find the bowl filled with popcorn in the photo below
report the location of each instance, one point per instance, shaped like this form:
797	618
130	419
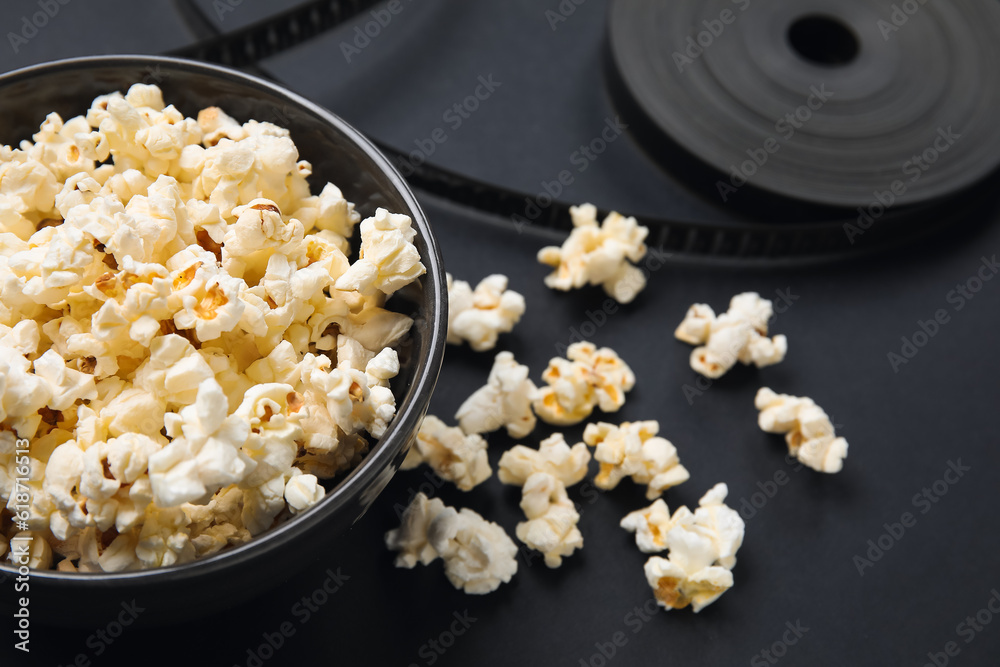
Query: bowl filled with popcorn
211	360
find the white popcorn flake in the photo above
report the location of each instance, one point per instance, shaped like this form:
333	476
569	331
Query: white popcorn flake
702	545
259	226
599	254
479	316
67	385
164	538
388	260
505	401
302	492
650	526
551	527
675	588
589	377
39	550
272	414
553	456
544	474
633	449
329	212
453	455
807	428
205	453
164	330
22	393
739	334
478	555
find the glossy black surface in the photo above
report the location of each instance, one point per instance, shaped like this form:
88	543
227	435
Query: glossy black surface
338	154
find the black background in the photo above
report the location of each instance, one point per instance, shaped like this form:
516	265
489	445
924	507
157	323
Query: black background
797	563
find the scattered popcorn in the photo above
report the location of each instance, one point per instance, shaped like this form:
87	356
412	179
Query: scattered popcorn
703	546
740	334
588	378
676	588
634	450
410	539
554	456
551	527
809	431
504	401
599	254
184	342
650	526
544	475
453	455
479	316
478	555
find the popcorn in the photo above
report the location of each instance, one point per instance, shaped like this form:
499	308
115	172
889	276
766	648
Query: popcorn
302	492
410	539
478	555
22	393
588	378
675	588
809	431
39	554
544	475
554	456
205	454
551	527
388	260
740	334
504	401
329	212
67	386
259	226
453	455
164	538
599	255
703	547
480	316
650	526
633	450
172	340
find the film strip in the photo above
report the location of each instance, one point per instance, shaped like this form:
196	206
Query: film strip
780	229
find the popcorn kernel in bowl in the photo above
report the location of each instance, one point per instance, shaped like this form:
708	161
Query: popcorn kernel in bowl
185	347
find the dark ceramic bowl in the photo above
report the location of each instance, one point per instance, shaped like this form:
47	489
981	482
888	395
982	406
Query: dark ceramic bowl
339	154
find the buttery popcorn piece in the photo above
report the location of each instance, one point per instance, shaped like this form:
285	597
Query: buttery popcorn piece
453	455
589	377
553	456
739	334
807	428
650	526
599	254
634	450
703	546
551	527
478	555
505	401
544	474
479	316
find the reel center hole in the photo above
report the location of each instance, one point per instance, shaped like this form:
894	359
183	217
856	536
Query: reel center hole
823	40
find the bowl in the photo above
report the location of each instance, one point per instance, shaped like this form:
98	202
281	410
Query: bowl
339	154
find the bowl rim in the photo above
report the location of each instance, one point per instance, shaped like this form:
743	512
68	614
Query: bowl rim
408	414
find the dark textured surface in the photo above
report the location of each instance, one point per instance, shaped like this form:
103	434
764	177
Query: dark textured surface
797	561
